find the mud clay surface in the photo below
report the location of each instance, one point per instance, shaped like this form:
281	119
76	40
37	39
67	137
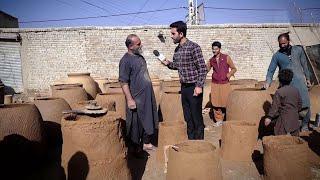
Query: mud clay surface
238	140
171	132
72	95
171	108
99	143
194	160
51	108
249	104
285	157
113	102
89	84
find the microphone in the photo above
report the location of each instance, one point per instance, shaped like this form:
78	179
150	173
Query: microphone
161	57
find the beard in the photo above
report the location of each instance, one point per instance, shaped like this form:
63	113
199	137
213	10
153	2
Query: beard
137	51
176	41
286	49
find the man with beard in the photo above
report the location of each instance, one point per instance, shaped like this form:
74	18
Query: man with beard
293	58
189	62
141	116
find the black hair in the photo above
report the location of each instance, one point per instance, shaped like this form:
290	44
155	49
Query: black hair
181	27
285	76
129	39
285	35
216	43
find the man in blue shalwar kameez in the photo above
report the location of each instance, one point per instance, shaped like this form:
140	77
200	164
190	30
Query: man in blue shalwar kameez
294	58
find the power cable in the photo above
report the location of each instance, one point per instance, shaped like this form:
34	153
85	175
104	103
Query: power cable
105	16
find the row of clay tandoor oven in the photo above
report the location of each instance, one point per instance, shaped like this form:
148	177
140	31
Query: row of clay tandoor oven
99	140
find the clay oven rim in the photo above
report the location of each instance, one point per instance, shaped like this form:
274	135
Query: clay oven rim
67	84
240	123
100	78
84	119
172	123
250	89
7	106
47	98
172	92
156	83
113	84
243	81
68	87
282	141
195	147
110	93
79	74
114	87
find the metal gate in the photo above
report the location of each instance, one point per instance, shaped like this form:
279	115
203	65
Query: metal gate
10	65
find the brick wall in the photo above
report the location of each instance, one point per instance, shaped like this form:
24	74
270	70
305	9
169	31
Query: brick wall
49	54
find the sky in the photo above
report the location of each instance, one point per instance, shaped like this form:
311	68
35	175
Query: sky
71	13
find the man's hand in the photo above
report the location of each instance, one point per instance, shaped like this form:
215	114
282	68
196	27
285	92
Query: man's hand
165	62
131	104
267	121
228	76
266	85
309	84
197	91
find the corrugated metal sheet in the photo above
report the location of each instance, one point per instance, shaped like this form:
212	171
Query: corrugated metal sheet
10	65
14	36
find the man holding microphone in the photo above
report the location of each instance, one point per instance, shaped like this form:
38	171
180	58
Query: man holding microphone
189	62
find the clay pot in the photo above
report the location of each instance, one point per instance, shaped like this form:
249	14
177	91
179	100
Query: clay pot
171	107
155	78
170	133
285	157
170	89
100	81
113	87
243	83
95	144
170	86
157	91
21	119
175	78
195	159
238	140
89	84
22	142
206	94
113	102
51	108
171	83
273	87
72	95
8	99
56	86
248	105
59	85
51	112
314	94
1	92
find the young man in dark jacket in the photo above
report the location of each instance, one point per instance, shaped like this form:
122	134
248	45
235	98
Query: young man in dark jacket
285	106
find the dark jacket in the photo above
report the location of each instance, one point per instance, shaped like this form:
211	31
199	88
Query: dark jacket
285	109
